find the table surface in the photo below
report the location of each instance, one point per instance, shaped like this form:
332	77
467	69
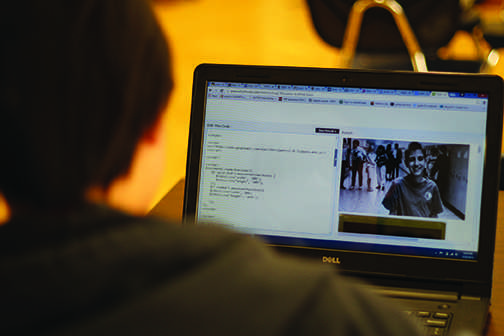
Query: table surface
171	207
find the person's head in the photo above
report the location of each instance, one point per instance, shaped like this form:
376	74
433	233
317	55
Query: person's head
380	149
431	162
82	82
415	159
434	152
356	143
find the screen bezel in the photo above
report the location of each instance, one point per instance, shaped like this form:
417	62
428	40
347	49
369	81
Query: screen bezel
467	271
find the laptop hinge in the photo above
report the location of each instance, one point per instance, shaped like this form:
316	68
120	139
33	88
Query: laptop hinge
416	294
470	298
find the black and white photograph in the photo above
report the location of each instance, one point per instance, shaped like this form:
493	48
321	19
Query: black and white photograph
404	178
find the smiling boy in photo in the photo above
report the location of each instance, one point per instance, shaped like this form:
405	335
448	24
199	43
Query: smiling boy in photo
414	194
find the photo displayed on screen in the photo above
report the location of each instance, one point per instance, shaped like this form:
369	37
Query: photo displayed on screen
404	178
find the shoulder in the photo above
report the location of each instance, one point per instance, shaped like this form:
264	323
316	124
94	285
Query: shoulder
352	310
430	185
400	181
396	187
237	276
133	274
430	182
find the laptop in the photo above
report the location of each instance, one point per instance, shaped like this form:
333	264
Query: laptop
390	176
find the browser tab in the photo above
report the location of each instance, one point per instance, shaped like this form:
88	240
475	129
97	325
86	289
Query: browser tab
439	94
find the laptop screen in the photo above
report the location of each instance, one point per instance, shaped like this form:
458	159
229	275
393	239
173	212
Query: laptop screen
347	168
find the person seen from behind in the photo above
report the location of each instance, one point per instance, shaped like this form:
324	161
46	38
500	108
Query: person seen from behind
83	89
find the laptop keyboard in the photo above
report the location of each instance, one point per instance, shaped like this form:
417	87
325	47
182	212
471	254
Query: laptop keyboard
432	323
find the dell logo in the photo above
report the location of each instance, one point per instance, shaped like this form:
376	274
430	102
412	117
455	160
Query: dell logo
331	260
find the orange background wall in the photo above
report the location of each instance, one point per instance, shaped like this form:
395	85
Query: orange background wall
266	32
278	32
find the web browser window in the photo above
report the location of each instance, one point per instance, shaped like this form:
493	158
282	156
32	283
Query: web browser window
335	166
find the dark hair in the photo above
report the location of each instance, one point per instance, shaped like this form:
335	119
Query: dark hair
80	82
413	146
380	149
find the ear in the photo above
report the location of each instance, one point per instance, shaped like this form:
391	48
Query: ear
154	133
135	192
